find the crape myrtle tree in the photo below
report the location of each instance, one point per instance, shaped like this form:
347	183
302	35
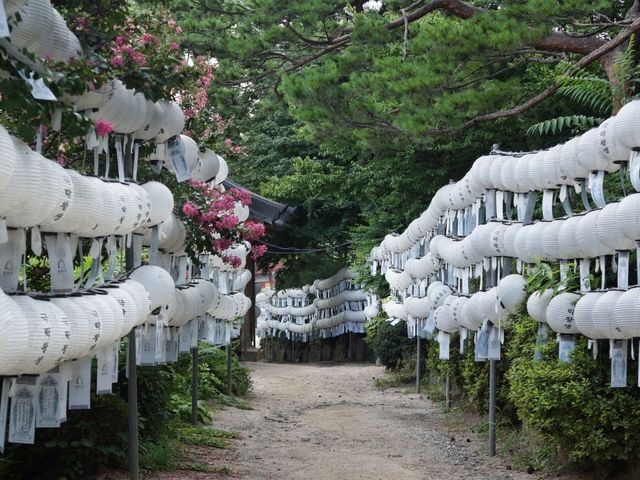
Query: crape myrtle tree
359	111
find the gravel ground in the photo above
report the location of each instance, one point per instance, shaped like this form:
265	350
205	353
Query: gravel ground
328	421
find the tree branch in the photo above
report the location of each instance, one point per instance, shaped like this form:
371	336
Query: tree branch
549	91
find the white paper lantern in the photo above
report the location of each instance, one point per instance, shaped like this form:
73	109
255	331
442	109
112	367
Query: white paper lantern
608	232
508	239
559	314
582	314
549	240
157	282
569	166
223	171
471	317
172	120
551	168
627	124
537	177
628	217
537	305
567	246
626	314
603	321
511	292
15	338
508	178
444	319
161	202
208	166
587	242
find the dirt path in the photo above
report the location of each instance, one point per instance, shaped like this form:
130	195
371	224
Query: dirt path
330	422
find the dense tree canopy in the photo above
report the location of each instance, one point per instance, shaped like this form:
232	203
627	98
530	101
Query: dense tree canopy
357	112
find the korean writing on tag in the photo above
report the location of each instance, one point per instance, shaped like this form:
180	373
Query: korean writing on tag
175	151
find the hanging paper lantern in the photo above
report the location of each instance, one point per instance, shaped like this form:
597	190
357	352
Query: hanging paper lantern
521	171
161	202
626	314
559	314
457	305
208	166
536	173
549	240
537	305
32	22
482	170
15	338
626	125
152	122
611	148
521	244
582	314
628	217
172	120
444	319
471	316
511	292
157	282
418	307
508	239
495	172
566	244
608	232
508	174
589	154
569	166
8	158
223	171
587	243
602	319
551	168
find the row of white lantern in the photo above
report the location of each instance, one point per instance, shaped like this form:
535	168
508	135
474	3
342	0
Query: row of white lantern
35	191
321	286
38	27
598	232
44	331
600	149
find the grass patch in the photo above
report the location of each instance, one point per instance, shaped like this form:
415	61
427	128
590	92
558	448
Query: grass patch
205	437
394	380
203	468
234	402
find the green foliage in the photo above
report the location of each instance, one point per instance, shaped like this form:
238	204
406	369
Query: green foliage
556	125
389	342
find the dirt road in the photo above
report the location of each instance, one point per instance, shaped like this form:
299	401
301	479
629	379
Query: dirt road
330	422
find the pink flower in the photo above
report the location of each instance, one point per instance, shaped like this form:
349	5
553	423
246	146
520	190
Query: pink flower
121	40
117	61
178	30
235	262
174	46
147	38
171	23
257	251
61	160
103	127
228	222
255	230
190	210
221	244
188	113
243	196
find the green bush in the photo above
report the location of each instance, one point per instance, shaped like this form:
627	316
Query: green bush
390	343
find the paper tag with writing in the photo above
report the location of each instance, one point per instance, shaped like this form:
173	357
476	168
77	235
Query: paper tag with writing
80	384
619	350
39	89
48	401
104	372
444	339
22	420
175	151
567	344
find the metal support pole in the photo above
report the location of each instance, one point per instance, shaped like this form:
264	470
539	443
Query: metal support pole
492	408
229	366
132	385
132	393
447	392
418	358
194	385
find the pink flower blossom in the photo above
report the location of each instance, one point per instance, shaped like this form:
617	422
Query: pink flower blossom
117	61
228	222
178	30
235	262
103	127
190	210
174	46
221	244
243	196
254	230
171	23
258	251
188	113
61	160
121	40
147	38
